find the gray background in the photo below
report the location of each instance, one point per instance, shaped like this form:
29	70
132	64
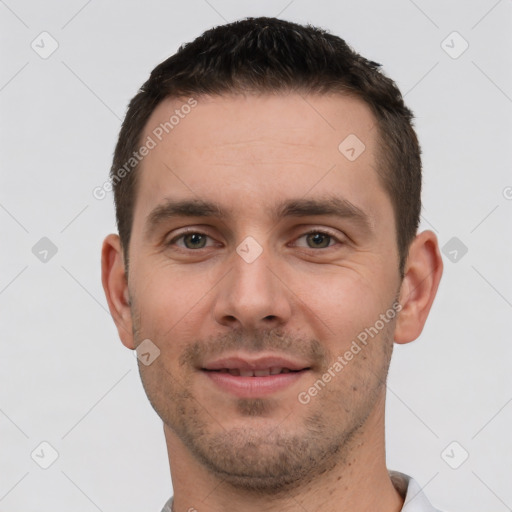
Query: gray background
67	380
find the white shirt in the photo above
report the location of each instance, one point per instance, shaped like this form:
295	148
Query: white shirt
414	498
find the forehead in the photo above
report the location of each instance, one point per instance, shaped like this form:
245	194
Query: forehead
307	121
244	151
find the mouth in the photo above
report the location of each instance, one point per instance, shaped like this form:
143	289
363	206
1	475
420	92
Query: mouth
254	378
237	372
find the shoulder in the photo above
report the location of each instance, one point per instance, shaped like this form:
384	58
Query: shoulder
168	506
415	499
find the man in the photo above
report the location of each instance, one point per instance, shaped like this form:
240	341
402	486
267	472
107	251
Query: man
267	183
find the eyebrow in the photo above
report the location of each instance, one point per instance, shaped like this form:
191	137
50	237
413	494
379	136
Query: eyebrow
319	206
328	206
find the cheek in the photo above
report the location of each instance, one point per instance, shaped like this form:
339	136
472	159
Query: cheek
169	301
345	301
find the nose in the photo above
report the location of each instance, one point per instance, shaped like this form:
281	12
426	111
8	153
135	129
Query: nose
252	295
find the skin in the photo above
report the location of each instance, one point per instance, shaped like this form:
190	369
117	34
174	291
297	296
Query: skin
304	296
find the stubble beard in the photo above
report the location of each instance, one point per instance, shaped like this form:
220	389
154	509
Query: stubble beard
274	459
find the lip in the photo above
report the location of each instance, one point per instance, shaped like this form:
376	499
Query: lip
259	363
254	387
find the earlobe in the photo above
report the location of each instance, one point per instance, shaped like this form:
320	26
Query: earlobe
423	273
115	285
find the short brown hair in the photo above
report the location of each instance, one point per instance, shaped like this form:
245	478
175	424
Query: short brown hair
268	55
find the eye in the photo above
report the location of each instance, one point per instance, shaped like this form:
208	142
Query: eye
194	240
191	240
318	239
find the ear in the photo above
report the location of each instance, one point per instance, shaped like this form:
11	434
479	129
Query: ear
423	272
115	285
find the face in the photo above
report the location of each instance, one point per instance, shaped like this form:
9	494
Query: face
260	244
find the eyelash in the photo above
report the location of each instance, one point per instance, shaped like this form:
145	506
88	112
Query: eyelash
310	232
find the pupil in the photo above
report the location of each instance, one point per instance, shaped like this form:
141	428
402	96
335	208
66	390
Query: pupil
194	238
318	237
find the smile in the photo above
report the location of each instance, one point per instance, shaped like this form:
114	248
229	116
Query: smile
253	383
255	373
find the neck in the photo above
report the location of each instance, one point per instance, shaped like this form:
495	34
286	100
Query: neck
357	481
